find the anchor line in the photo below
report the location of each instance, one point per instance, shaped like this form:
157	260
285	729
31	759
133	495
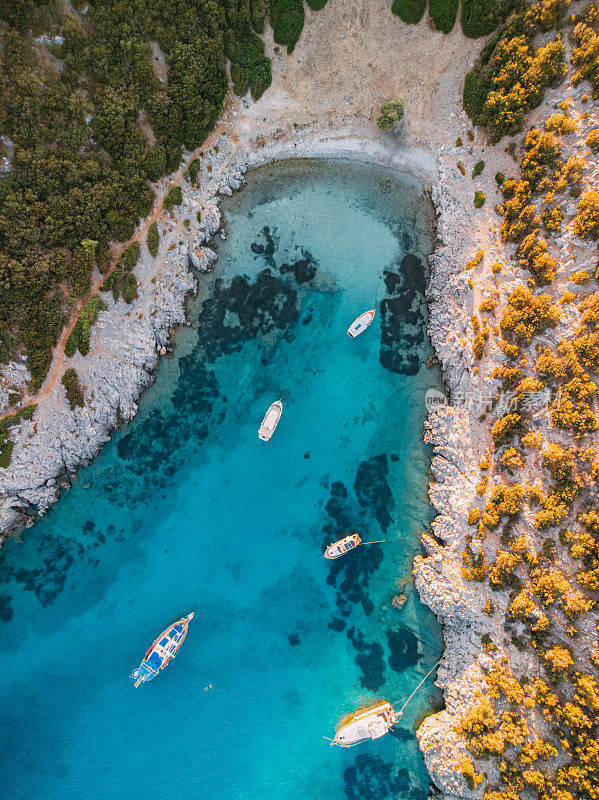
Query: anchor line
400	712
378	541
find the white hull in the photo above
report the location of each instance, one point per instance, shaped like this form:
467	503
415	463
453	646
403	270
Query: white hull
270	421
370	723
361	323
343	546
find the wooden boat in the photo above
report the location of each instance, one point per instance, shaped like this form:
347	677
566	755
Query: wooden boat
343	546
162	650
361	323
270	421
371	722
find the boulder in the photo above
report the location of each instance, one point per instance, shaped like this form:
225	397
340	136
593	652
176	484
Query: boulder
202	258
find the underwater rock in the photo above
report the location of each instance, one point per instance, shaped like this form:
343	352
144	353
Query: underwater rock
371	778
373	490
399	600
403	312
403	644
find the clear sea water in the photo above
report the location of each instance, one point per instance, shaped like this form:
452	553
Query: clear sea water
185	509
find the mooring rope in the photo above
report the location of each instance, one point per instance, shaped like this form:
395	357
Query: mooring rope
418	687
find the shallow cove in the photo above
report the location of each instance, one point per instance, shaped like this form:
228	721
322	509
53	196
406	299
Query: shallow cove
186	510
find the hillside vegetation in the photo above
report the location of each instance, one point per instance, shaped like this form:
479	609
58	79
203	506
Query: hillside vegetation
535	533
88	122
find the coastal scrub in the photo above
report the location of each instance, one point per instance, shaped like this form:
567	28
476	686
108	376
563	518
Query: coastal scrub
153	239
73	391
391	112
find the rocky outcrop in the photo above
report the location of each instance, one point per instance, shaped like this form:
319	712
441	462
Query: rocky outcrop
202	259
449	429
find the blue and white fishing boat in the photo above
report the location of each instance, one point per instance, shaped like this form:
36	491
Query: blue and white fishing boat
160	653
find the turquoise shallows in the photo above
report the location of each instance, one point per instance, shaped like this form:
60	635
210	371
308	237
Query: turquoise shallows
186	510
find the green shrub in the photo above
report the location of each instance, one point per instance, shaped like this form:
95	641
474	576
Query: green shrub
480	17
83	329
130	256
192	170
258	14
476	90
250	68
27	411
173	198
73	391
129	288
479	199
145	201
13	398
410	11
316	5
79	336
499	178
114	282
391	112
6	448
71	344
153	239
82	263
443	13
478	168
287	21
82	160
154	162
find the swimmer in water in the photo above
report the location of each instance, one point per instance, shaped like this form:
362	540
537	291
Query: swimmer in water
207	688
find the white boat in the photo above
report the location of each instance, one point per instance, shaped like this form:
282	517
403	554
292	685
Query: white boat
371	722
361	323
270	421
343	546
162	651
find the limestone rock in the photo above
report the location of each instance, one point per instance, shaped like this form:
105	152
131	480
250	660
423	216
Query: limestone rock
442	749
202	259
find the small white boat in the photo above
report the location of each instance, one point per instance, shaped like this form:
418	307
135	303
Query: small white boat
343	546
361	323
270	421
371	722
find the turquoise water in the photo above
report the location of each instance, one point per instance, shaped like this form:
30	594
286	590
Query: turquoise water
185	509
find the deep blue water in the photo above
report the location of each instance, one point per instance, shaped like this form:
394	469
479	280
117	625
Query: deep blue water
185	509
